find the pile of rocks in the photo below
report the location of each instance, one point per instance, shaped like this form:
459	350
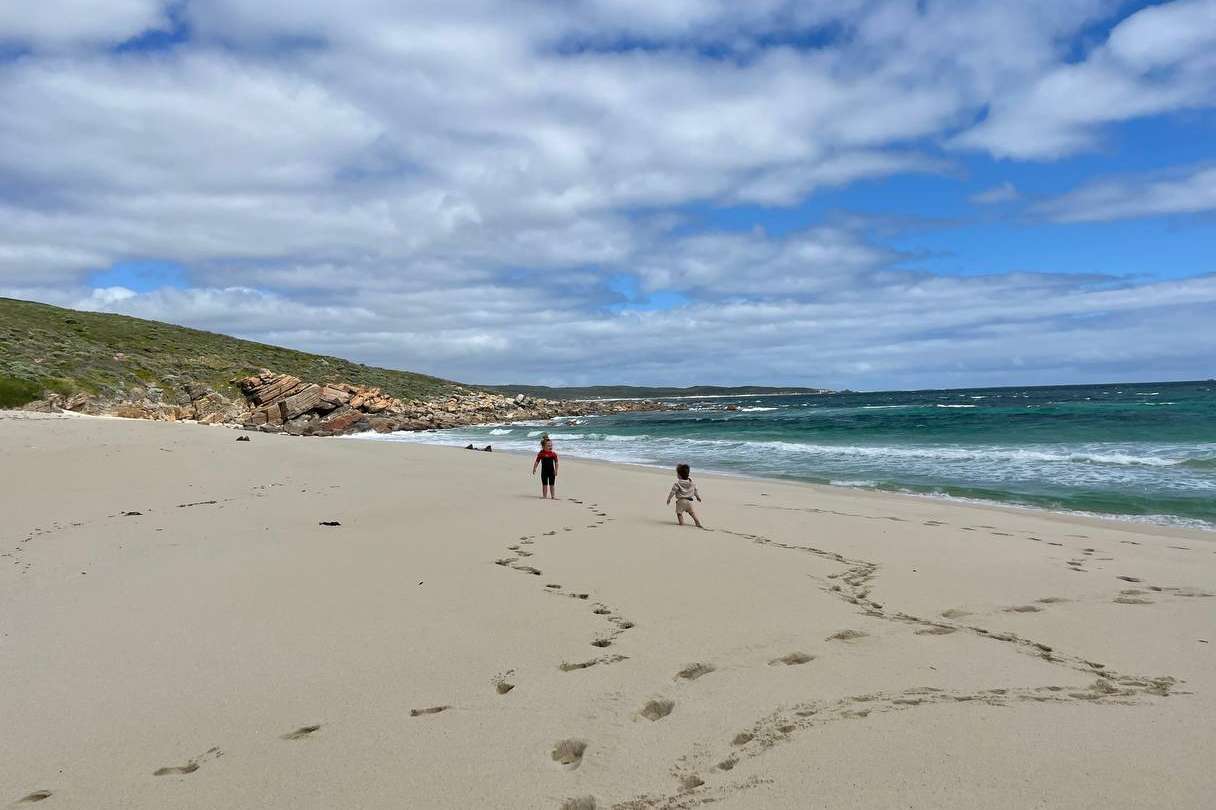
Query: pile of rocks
280	403
194	401
283	403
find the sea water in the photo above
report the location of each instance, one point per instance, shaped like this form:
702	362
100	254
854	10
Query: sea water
1142	450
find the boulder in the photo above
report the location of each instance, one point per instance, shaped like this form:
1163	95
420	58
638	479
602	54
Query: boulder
341	419
301	402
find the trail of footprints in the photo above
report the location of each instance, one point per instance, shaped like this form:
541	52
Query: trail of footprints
853	585
617	625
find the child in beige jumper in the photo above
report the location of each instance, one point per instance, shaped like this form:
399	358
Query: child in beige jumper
685	492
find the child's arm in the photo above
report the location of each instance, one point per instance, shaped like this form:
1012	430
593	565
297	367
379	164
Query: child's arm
671	493
697	493
535	462
556	463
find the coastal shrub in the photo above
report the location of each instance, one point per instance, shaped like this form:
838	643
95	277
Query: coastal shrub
14	392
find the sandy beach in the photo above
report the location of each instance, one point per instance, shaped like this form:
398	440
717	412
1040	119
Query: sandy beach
178	629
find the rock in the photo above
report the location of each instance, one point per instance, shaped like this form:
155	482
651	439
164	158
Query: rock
77	402
382	424
211	404
302	402
341	419
267	387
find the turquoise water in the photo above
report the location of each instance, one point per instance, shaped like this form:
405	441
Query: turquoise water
1145	450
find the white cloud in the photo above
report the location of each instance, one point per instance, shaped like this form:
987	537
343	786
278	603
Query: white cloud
1161	59
1005	192
446	187
55	24
1182	191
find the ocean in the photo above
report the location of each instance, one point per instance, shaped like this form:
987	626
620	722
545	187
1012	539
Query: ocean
1143	451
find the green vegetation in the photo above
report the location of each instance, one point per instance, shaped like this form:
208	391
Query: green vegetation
15	393
49	348
643	392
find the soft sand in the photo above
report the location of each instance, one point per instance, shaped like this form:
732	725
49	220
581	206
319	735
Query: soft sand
208	634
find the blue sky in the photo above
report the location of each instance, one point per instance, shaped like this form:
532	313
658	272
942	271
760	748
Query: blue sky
868	194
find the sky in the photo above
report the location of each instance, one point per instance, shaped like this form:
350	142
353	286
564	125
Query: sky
871	194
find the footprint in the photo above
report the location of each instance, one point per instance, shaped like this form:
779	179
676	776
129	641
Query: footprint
743	738
527	569
954	613
657	709
728	763
1131	600
506	560
551	586
846	635
602	611
566	666
569	753
176	770
936	630
428	710
602	642
694	671
691	782
36	796
1051	600
502	687
1023	609
329	523
580	802
301	732
1130	579
793	659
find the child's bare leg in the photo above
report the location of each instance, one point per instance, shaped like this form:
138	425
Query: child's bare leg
679	517
544	490
695	519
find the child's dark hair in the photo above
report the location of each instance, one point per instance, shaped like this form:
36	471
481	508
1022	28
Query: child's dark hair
682	471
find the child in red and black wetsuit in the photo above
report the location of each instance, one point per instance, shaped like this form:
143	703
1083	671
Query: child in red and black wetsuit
547	460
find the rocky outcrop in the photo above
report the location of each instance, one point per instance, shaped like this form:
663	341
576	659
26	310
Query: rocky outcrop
195	402
281	403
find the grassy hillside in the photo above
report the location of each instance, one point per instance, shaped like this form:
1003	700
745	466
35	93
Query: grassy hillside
49	348
645	392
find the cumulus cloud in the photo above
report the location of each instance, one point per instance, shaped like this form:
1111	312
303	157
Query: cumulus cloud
446	187
1181	191
1160	59
60	24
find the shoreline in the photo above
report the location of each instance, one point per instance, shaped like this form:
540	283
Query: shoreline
1196	530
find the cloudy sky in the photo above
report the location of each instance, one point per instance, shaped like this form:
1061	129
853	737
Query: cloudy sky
860	193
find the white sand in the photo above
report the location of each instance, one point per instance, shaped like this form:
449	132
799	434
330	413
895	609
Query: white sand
197	637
